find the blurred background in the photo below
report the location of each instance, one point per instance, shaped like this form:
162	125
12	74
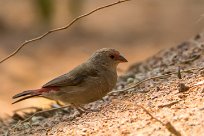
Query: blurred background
137	28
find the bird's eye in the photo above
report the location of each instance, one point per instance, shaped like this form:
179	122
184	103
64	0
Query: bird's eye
112	56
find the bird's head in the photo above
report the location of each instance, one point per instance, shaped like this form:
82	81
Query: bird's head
107	57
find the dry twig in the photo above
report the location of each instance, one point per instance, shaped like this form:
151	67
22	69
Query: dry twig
168	125
179	73
36	113
59	29
168	105
140	82
156	77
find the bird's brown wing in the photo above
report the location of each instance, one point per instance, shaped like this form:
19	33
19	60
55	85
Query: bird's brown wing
73	78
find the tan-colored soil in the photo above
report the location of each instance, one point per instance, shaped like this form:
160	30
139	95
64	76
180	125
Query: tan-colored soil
119	113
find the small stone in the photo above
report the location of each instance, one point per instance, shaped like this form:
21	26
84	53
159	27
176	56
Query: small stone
182	96
60	130
120	87
37	118
132	90
140	76
27	125
130	80
105	98
84	130
46	125
197	37
202	73
202	90
182	88
36	123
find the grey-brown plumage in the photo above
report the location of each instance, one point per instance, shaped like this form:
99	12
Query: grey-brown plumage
86	83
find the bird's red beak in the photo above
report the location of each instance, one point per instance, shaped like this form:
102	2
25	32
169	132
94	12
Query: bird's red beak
121	58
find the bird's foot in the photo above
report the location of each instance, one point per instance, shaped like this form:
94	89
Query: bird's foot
83	110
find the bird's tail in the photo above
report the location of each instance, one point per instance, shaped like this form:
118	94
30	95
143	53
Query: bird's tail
27	94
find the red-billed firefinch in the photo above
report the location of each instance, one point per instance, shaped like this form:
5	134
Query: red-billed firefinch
86	83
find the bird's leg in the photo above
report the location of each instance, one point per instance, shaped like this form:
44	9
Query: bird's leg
82	110
88	110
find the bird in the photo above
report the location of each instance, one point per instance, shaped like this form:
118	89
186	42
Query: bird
86	83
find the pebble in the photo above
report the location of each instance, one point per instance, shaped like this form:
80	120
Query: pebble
37	118
130	80
202	73
182	87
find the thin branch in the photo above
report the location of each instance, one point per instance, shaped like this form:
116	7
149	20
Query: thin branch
39	112
147	112
167	125
169	104
59	29
155	77
140	82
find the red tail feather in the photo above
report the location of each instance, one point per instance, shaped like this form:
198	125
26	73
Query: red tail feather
32	93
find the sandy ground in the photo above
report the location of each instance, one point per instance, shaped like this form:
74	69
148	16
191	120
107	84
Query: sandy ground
175	99
138	29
